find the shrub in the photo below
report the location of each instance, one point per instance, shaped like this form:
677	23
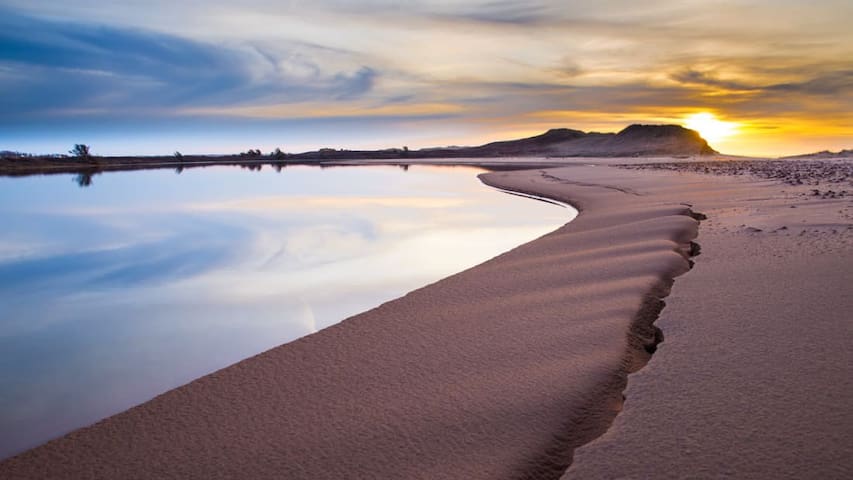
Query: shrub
80	150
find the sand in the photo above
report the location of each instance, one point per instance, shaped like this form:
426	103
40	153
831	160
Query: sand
755	378
503	370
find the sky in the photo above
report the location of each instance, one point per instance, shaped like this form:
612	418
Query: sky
215	76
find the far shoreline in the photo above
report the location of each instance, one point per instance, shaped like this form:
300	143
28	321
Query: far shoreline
634	140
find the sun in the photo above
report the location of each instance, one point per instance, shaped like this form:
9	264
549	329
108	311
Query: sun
710	127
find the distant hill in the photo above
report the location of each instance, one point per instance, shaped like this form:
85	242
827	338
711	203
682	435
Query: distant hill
822	155
636	140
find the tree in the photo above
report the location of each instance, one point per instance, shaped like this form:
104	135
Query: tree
80	150
252	153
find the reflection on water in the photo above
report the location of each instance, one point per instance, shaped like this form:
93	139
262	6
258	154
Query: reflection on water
84	179
145	280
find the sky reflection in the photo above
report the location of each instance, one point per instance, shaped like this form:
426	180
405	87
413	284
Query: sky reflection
145	280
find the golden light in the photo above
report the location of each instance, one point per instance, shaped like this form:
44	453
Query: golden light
710	127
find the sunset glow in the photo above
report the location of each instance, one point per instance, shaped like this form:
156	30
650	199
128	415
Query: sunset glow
754	77
709	127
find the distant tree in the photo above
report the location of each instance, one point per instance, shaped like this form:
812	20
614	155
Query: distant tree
252	153
8	154
80	150
278	154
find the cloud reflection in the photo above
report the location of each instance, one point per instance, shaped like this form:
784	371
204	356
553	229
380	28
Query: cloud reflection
272	205
136	298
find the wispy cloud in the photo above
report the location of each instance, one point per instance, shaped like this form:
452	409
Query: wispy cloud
496	64
73	68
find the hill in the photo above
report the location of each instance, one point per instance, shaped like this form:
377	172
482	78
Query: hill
635	140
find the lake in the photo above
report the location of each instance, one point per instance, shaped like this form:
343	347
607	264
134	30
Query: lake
142	281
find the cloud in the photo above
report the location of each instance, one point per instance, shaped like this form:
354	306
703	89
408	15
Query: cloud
695	77
811	83
49	67
491	64
831	83
506	12
317	110
356	84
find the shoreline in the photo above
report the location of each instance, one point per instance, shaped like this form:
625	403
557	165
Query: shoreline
500	370
34	166
429	341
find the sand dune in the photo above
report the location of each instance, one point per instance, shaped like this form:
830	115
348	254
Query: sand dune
756	374
496	372
501	371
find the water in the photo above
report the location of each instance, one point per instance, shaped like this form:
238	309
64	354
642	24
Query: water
143	281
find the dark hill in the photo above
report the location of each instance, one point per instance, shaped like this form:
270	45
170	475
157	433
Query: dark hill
539	142
636	140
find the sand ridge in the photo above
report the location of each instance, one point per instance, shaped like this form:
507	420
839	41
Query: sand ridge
754	378
502	370
496	372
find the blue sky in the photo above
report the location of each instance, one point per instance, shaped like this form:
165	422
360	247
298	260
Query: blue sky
212	76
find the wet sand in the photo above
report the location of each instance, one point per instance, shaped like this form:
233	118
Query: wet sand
501	371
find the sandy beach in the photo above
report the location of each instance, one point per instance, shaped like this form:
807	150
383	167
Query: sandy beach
649	275
517	367
754	378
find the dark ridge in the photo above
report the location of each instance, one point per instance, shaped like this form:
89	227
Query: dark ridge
823	154
555	135
657	131
668	139
635	140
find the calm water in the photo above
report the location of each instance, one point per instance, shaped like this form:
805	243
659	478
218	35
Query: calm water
141	282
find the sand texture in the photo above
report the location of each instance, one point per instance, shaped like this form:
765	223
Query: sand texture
503	370
496	372
755	377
